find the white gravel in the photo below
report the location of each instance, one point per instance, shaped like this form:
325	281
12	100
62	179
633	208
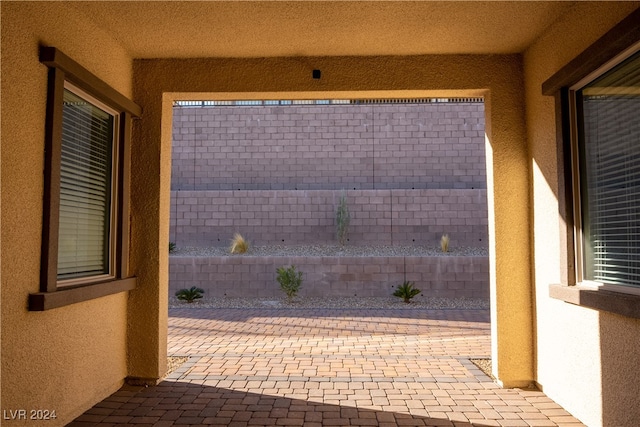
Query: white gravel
419	302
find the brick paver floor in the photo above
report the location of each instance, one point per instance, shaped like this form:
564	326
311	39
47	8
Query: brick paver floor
327	367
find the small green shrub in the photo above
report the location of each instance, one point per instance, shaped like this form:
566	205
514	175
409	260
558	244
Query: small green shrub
406	291
239	244
343	218
189	295
290	281
172	247
444	243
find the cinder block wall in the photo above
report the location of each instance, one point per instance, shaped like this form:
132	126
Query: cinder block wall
411	172
389	217
242	276
311	147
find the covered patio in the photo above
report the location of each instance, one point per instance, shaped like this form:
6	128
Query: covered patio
328	367
72	337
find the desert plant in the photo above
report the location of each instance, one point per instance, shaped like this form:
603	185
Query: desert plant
239	244
444	243
172	247
343	218
406	291
290	281
189	295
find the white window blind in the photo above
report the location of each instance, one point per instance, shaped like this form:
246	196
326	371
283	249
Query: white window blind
85	189
610	149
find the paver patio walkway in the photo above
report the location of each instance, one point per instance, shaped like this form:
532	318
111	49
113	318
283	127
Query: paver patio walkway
328	367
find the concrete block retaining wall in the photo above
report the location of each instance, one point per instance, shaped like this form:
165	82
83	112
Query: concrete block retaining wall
252	276
407	146
389	217
411	172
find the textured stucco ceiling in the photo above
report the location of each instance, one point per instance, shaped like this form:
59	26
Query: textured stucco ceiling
177	29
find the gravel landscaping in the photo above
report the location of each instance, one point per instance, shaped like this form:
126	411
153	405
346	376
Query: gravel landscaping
174	362
419	302
331	250
485	366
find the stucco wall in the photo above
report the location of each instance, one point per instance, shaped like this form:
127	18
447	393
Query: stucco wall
585	359
69	358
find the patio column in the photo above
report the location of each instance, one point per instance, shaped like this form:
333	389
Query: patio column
150	181
512	315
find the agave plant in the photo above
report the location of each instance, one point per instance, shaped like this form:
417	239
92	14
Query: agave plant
189	295
406	291
239	244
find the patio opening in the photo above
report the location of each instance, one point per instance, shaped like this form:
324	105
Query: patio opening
410	171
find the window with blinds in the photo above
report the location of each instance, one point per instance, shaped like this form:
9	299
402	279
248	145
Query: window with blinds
608	111
86	182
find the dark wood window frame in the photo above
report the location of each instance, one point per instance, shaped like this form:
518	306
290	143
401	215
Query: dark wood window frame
619	39
61	69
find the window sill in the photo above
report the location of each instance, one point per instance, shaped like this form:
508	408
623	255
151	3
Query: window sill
613	302
42	301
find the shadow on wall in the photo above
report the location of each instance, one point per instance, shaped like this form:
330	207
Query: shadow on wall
619	358
221	406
